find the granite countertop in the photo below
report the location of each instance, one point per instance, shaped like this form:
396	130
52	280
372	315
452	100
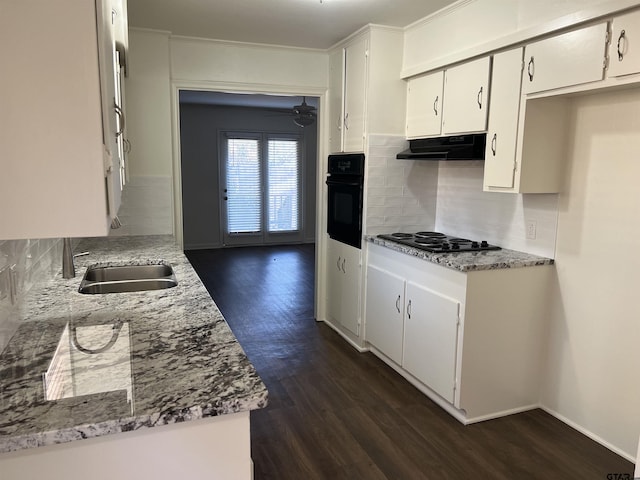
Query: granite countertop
468	261
82	366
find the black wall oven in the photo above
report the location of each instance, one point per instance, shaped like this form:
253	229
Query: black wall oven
345	191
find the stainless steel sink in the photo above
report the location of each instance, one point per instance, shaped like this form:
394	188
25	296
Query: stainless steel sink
127	278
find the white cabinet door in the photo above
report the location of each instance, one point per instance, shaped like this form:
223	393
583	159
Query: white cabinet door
343	285
466	97
564	60
334	280
424	105
53	180
499	165
624	50
385	311
350	309
355	95
430	339
336	96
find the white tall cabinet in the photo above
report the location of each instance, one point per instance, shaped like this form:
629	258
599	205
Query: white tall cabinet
58	147
366	94
355	85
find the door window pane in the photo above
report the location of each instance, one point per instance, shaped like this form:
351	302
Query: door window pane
244	203
283	180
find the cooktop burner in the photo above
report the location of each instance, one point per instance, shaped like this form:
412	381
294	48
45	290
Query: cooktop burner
437	242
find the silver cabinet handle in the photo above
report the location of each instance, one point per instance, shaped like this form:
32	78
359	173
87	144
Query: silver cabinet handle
398	304
531	69
480	98
435	106
346	121
409	309
120	114
494	141
338	263
622	39
344	260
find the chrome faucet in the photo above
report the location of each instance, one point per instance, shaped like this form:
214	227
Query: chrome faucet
68	266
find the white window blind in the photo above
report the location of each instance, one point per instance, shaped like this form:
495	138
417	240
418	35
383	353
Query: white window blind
244	199
283	180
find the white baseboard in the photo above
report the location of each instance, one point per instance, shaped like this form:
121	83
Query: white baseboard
590	434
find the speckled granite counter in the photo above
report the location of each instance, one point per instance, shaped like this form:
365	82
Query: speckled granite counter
82	366
469	261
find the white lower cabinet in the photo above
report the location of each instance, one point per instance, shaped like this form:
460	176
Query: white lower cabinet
385	311
430	338
471	341
343	288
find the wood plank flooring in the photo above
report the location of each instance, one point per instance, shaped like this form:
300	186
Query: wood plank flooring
335	413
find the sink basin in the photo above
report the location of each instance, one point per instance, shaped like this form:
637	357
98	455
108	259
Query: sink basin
127	278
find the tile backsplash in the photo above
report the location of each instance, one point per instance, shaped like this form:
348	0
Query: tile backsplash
401	194
464	210
33	261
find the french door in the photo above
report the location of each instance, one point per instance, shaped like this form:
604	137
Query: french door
261	196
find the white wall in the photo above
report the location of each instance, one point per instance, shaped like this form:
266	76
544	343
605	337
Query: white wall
594	359
264	68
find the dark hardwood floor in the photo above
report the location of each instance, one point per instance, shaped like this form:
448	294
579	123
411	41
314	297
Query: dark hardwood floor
335	413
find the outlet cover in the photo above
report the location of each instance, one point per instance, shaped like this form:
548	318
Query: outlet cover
531	229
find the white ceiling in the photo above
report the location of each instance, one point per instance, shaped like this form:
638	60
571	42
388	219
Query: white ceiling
299	23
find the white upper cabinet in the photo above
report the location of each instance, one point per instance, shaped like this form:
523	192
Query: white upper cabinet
500	154
55	152
565	60
466	97
355	94
424	105
369	96
449	102
624	50
336	88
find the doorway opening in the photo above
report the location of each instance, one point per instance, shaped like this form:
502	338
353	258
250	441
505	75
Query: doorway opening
248	169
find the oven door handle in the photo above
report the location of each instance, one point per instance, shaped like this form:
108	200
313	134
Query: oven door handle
346	184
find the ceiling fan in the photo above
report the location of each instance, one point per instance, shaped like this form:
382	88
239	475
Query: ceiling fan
303	114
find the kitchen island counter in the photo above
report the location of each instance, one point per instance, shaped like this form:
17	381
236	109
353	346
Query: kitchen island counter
83	366
468	261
